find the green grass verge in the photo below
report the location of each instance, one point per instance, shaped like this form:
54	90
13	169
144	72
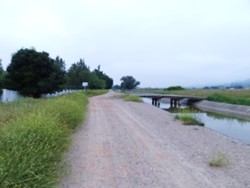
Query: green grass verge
229	98
188	120
34	133
132	98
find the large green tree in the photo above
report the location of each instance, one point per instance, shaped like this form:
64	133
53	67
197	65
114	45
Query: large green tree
33	73
102	76
60	72
78	73
129	82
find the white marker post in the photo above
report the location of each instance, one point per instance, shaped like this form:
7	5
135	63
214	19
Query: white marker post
85	85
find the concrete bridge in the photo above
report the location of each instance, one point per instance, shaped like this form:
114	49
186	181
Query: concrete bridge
174	99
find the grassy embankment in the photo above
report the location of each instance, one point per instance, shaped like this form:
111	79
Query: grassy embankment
241	97
34	133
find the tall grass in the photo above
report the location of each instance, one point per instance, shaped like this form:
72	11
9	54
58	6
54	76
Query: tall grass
34	134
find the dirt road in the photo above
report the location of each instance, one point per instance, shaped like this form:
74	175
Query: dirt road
125	144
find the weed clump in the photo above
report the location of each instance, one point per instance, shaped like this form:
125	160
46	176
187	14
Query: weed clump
219	160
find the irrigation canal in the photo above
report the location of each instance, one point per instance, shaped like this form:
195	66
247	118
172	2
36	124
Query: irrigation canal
10	95
235	128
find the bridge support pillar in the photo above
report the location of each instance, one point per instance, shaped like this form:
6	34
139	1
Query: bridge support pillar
174	103
155	102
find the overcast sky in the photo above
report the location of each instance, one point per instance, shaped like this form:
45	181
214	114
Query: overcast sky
159	42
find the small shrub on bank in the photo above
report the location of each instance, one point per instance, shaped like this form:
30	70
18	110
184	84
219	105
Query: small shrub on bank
32	144
188	120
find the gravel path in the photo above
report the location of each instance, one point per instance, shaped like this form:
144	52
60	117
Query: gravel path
126	144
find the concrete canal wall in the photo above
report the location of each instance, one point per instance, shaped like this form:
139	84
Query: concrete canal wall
240	111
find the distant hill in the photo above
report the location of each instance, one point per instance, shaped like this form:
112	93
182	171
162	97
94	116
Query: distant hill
234	85
244	84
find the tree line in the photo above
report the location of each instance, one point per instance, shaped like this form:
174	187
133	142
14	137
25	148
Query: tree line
33	73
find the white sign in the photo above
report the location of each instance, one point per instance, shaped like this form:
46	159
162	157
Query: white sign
85	84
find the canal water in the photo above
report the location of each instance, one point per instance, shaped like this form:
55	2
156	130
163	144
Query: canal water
10	95
236	128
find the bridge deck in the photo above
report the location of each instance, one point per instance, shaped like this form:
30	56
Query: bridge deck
174	99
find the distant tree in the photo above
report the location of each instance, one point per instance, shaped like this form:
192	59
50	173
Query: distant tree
33	73
115	87
128	82
78	73
174	88
60	63
1	74
102	76
95	82
60	70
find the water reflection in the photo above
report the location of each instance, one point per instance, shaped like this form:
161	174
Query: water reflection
232	127
225	117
